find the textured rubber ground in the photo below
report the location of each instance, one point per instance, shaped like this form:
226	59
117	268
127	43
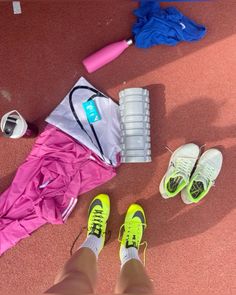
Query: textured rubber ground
192	88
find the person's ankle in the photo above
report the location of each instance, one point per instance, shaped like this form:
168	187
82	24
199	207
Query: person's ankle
126	254
93	243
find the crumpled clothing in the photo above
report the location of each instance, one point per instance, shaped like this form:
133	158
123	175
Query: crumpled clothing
156	25
46	185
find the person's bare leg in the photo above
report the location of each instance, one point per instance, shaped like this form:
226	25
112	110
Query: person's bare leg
78	275
133	279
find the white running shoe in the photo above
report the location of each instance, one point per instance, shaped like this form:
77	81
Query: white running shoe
203	178
179	170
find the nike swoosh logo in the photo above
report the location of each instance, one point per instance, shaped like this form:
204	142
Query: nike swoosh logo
183	26
139	214
96	202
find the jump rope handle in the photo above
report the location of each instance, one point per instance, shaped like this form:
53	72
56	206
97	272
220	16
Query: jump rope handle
105	55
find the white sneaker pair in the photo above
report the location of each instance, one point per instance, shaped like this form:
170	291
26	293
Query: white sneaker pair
194	184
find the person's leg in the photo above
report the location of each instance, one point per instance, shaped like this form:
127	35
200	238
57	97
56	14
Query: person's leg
79	273
133	278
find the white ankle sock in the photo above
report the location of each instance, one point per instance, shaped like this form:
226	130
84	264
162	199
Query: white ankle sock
93	243
127	254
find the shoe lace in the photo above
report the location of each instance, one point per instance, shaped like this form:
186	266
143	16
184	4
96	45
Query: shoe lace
184	165
97	222
207	172
133	239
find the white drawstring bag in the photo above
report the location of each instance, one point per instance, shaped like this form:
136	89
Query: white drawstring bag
92	118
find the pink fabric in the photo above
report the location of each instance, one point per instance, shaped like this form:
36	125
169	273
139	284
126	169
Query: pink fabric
57	170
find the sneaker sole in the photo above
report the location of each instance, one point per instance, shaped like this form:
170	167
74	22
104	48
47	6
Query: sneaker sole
162	189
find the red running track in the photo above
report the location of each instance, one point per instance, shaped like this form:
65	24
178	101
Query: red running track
191	249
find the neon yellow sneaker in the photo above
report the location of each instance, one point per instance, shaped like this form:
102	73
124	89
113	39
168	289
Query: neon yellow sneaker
133	228
99	211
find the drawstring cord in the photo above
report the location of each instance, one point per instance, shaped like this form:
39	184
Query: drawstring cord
76	239
168	149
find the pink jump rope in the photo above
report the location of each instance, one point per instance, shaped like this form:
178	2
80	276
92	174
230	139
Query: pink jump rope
105	55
